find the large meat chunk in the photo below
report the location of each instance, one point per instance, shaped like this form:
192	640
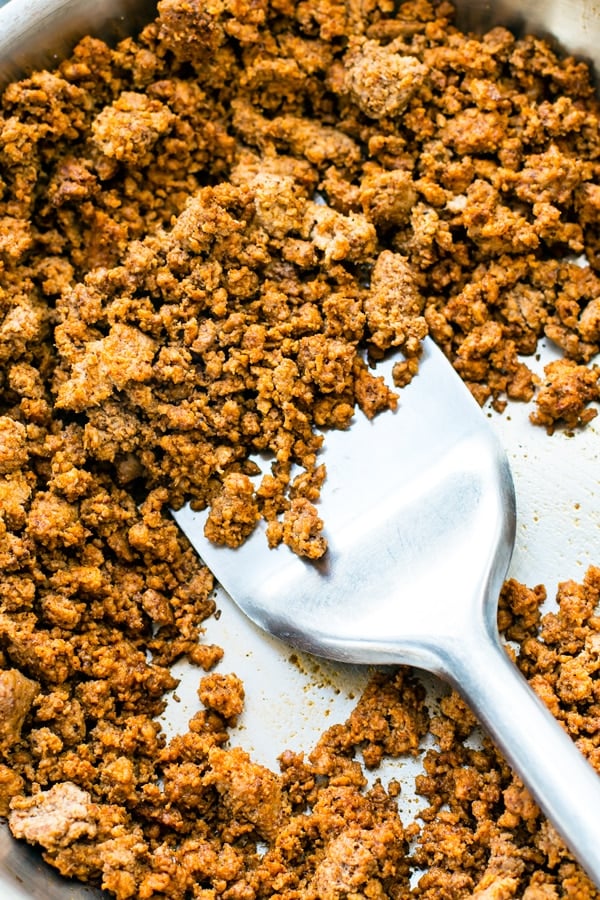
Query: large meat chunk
53	818
394	305
248	791
108	364
381	81
17	693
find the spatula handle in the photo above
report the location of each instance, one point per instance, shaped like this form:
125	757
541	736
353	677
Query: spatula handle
561	780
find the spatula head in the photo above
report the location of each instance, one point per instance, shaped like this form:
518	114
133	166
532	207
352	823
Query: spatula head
419	512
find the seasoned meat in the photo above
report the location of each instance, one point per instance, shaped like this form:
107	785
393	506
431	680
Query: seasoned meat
53	818
209	235
17	693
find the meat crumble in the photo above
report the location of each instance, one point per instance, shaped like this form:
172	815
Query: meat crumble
208	236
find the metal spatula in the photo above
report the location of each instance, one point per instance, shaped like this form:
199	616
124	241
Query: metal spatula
419	509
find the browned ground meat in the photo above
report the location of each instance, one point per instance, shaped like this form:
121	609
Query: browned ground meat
565	393
17	693
207	234
224	694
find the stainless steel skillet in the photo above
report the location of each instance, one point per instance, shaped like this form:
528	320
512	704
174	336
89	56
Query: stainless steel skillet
36	33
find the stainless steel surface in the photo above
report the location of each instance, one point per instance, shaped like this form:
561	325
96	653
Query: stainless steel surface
25	876
553	539
420	514
38	33
575	25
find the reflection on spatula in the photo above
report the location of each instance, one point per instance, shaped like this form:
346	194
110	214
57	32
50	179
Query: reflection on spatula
419	511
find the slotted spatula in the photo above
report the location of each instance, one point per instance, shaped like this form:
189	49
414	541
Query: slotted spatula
419	508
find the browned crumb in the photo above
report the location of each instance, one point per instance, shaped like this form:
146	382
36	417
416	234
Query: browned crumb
565	395
302	529
206	656
224	694
17	694
234	513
